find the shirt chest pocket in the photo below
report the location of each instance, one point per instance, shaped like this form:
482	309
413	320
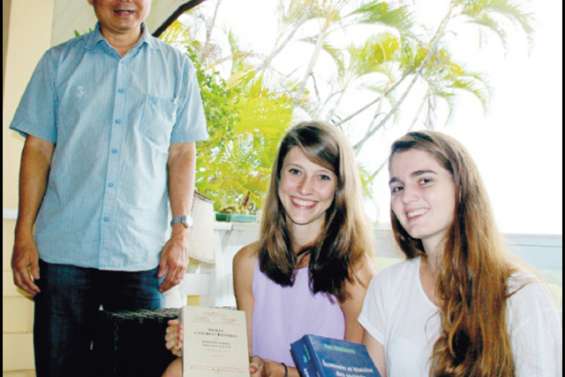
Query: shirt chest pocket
159	117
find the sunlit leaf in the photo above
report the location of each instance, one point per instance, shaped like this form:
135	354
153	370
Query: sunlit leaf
380	12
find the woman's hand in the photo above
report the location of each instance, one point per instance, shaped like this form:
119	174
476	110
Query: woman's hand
259	367
173	337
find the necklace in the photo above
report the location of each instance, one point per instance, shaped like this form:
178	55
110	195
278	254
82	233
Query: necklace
303	252
300	256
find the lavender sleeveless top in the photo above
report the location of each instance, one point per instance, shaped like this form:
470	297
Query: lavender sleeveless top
282	315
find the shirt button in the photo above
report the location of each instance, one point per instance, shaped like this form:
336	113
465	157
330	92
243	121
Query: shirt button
114	151
121	91
118	121
106	219
110	184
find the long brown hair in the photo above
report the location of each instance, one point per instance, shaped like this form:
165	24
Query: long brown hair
474	271
344	239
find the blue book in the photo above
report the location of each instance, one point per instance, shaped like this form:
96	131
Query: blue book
318	356
302	357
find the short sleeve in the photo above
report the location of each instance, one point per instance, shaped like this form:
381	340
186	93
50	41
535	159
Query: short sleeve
35	114
373	317
535	332
190	122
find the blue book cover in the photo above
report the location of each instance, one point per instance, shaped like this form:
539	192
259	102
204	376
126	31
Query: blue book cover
318	356
302	358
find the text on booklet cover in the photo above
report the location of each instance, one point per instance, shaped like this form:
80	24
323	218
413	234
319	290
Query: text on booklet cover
214	343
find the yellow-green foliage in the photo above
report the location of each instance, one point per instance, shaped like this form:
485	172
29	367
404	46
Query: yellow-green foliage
246	122
238	181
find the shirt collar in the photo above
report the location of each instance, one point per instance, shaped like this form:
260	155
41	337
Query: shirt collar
96	37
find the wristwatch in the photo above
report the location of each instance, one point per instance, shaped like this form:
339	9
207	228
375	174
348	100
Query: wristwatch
185	220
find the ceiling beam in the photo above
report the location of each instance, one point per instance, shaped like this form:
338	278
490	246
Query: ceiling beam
176	14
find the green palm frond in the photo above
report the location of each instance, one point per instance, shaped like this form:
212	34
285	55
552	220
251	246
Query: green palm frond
387	70
241	68
335	53
406	55
447	96
177	33
515	11
472	86
488	22
238	60
412	54
485	12
457	79
290	13
445	78
263	110
296	10
381	12
337	56
390	100
376	51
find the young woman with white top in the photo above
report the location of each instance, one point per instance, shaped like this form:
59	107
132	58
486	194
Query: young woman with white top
457	306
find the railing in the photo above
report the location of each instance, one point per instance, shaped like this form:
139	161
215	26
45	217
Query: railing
542	253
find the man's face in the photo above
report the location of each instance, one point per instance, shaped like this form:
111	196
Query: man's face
121	17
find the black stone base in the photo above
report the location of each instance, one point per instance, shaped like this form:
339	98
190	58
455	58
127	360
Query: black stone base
132	344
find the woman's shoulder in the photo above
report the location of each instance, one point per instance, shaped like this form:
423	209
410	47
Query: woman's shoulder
525	287
243	268
529	297
533	316
247	256
364	270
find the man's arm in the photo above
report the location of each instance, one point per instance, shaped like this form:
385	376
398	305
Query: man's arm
34	170
181	170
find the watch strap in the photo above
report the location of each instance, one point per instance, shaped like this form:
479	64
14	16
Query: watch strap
185	220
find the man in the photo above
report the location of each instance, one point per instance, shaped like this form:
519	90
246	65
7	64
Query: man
110	120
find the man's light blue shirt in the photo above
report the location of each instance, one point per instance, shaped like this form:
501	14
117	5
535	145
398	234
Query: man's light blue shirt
112	120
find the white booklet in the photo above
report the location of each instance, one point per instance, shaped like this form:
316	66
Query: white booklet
215	342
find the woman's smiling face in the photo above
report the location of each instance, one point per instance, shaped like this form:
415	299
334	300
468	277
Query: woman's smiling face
306	189
422	195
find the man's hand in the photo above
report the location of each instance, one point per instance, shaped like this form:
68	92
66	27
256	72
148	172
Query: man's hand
34	172
174	337
174	261
25	266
